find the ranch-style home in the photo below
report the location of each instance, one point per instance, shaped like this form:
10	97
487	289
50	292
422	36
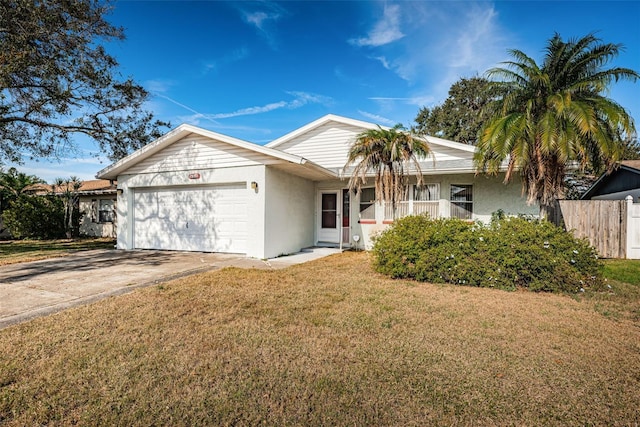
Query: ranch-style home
96	205
197	190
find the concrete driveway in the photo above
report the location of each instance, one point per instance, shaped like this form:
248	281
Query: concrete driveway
33	289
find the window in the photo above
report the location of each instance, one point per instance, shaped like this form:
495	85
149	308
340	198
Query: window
426	192
106	212
461	201
94	210
426	200
367	203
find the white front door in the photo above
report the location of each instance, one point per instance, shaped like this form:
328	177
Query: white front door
329	217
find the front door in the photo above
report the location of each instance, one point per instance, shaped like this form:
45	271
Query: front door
329	225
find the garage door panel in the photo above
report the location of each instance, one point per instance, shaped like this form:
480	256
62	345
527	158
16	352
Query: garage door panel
209	219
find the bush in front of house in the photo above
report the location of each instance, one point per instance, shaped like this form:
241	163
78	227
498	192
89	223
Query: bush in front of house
507	254
36	217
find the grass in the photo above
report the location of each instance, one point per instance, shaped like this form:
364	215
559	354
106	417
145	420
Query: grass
623	270
16	251
329	342
623	298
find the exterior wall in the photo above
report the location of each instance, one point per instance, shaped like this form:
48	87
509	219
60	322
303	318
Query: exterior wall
328	146
127	185
622	195
195	152
89	222
619	181
289	213
489	195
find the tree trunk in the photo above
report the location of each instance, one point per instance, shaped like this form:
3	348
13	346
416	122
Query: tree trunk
69	215
548	211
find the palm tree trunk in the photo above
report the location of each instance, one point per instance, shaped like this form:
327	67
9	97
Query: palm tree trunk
548	211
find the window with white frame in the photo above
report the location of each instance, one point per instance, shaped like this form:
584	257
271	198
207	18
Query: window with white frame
106	212
426	200
461	201
426	192
367	203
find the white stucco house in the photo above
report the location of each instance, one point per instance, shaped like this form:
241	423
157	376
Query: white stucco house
198	190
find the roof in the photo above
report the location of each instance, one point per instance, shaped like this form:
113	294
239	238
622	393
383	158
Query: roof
305	167
633	164
317	123
624	178
364	125
289	162
93	186
98	185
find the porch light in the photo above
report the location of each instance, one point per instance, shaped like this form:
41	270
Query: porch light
254	186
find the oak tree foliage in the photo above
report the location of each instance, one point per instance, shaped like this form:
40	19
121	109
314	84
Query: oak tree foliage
58	81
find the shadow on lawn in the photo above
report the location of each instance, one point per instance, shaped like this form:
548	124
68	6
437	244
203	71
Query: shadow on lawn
19	247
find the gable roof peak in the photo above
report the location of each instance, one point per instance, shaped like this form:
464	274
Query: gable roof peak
321	122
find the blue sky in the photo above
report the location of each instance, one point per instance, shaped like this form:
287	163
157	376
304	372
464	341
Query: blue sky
258	70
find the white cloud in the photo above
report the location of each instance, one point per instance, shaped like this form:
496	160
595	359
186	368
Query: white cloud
443	43
197	115
158	85
383	61
301	99
414	100
258	18
263	18
377	118
50	171
474	45
251	110
385	31
233	56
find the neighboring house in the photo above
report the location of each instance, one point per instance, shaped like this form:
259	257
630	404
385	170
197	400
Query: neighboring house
96	203
622	182
197	190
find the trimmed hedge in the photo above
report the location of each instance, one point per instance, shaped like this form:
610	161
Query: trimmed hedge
509	253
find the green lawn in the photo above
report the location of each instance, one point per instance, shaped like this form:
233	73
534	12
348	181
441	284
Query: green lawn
15	251
623	270
329	342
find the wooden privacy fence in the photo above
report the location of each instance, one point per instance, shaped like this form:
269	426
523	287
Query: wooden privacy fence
605	223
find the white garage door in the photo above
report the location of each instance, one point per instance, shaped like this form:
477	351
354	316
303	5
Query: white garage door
204	219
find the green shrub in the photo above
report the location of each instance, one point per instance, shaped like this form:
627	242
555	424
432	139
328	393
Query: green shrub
39	217
507	254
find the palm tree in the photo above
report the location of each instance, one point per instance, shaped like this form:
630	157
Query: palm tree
388	154
68	190
555	115
13	184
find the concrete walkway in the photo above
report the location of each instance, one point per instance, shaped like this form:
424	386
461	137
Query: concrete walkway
33	289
